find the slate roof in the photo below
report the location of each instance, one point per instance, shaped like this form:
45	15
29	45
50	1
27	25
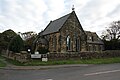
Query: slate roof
96	39
55	25
40	39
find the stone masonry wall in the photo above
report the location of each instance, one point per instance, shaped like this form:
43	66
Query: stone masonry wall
73	28
83	55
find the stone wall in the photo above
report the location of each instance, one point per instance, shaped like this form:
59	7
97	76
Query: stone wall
73	29
83	55
23	56
95	47
54	45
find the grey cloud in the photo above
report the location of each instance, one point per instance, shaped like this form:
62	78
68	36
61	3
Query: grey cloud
114	12
23	13
4	5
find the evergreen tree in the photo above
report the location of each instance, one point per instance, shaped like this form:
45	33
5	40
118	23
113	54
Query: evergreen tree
16	44
5	38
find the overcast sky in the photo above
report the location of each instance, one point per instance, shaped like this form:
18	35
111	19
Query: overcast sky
34	15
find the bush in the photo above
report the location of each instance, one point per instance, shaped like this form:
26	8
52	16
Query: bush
112	45
42	50
16	44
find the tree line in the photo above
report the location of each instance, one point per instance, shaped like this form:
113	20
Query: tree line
16	42
111	36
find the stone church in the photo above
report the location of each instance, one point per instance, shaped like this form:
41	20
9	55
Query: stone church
66	34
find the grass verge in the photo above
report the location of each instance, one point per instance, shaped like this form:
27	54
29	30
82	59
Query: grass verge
61	62
90	61
14	62
2	64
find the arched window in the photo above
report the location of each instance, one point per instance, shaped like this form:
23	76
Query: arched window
54	43
59	43
68	42
77	43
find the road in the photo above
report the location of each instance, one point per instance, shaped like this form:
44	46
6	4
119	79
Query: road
90	72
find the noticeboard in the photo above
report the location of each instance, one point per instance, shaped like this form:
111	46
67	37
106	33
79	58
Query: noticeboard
35	55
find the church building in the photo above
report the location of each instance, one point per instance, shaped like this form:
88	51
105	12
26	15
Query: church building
66	34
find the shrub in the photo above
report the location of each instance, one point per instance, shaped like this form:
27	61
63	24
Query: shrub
16	44
43	50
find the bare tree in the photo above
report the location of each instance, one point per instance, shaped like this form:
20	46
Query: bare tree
28	35
112	32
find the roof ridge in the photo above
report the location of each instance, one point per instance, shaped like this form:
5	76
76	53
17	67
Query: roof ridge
55	25
61	17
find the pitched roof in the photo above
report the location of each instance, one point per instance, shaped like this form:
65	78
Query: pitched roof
96	39
41	40
55	25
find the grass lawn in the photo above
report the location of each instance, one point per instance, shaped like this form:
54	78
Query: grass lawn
2	64
102	61
14	62
90	61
